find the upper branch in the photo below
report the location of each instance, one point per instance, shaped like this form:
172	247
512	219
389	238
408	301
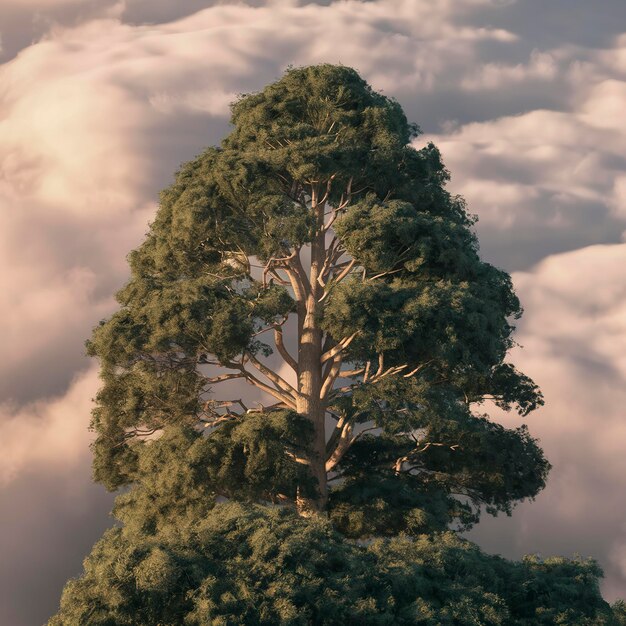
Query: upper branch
292	266
280	382
280	345
339	347
284	397
344	201
331	376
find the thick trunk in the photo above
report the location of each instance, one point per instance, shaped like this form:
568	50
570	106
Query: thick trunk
309	402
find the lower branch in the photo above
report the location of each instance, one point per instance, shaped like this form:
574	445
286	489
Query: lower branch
280	345
343	442
405	459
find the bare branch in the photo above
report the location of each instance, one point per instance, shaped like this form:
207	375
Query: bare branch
344	272
212	423
278	340
261	408
404	459
366	375
280	382
213	380
381	365
331	376
329	185
385	274
351	373
341	447
390	371
221	404
292	266
297	459
342	345
419	368
284	398
344	443
345	198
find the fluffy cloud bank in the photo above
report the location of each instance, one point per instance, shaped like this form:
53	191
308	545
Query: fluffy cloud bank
50	512
574	345
96	115
547	180
123	106
47	435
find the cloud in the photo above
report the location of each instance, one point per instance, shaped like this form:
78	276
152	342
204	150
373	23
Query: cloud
50	512
111	97
51	432
124	105
574	338
541	67
544	181
74	186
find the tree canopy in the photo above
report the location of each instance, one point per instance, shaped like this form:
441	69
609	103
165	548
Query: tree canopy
318	209
317	257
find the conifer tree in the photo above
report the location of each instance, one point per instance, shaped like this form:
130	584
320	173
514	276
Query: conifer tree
317	208
316	257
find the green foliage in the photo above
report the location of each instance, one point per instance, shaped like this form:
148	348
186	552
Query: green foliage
420	296
431	326
389	505
256	565
254	457
491	467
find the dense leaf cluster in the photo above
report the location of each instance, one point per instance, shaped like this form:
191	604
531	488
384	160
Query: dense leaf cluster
180	558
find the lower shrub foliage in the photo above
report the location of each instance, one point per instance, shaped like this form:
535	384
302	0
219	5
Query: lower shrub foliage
195	562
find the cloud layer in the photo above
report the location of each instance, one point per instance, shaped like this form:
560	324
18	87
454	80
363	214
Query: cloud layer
574	346
101	101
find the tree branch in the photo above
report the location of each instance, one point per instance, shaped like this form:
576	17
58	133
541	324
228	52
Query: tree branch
297	459
342	345
283	397
213	380
351	373
343	445
331	376
343	442
280	382
278	340
404	459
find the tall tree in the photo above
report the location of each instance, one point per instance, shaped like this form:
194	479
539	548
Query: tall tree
315	218
318	213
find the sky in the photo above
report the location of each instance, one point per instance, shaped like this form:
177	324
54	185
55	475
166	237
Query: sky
102	100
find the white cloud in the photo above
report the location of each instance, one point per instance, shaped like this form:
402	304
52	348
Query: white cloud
574	338
41	4
542	66
49	435
544	180
95	118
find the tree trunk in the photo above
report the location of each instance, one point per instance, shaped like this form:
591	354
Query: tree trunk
309	402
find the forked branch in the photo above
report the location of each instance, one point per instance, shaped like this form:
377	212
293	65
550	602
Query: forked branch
339	347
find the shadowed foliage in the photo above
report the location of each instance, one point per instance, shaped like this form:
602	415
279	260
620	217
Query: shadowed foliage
180	558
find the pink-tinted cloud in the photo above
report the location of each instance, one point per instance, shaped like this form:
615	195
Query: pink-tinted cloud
546	180
574	341
47	435
123	106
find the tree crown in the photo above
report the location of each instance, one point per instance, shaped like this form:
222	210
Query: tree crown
317	216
